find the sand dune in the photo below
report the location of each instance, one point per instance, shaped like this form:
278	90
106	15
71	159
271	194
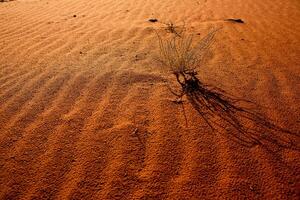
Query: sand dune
85	112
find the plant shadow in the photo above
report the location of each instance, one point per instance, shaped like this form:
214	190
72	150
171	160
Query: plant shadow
238	118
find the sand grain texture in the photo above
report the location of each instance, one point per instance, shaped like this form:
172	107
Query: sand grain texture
85	112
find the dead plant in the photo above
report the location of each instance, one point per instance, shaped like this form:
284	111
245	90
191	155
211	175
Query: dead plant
177	30
181	57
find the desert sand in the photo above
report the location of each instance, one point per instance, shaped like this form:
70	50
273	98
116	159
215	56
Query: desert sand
85	111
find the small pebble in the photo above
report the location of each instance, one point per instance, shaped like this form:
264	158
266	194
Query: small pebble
153	20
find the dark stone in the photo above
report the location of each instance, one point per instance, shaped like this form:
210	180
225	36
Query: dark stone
153	20
236	20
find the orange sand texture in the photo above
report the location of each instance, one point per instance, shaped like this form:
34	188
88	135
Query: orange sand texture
85	112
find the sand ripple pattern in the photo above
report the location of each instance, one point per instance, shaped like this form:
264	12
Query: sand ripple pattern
85	112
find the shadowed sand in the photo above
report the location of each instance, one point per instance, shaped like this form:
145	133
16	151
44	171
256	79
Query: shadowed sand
85	111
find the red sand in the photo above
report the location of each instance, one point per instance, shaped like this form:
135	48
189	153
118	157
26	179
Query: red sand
85	112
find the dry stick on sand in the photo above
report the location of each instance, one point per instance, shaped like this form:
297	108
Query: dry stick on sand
218	109
175	29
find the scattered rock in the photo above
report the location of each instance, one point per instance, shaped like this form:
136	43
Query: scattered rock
74	15
153	20
6	0
136	58
236	20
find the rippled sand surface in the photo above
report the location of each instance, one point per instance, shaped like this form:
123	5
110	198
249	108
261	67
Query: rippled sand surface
85	112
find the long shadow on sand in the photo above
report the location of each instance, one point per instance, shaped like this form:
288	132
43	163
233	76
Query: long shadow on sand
238	118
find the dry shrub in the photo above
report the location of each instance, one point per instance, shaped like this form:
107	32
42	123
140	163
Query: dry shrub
177	30
219	110
182	57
